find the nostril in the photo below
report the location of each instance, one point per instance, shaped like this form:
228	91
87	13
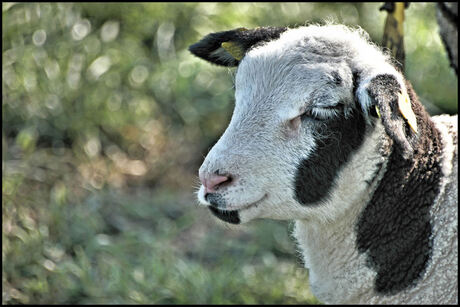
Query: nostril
229	180
215	180
224	183
211	181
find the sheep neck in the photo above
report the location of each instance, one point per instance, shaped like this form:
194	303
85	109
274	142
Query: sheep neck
381	245
394	229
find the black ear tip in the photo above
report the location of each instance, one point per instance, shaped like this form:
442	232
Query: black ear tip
195	49
191	49
208	49
202	45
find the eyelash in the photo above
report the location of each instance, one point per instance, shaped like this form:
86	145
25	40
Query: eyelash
324	113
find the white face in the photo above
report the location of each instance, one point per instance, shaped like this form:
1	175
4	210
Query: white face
294	126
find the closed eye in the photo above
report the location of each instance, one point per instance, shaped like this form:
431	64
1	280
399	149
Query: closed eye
323	113
317	114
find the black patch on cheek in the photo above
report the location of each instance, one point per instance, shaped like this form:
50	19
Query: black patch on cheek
337	139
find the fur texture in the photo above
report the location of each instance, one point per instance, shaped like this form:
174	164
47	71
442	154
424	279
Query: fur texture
374	201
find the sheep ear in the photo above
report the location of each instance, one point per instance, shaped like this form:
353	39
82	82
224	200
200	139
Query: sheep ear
229	47
385	97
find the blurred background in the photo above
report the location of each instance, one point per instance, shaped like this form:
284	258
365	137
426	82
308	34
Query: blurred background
106	118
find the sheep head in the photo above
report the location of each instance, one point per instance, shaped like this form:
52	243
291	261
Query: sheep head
311	106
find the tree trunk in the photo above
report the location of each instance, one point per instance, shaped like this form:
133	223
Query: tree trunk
447	15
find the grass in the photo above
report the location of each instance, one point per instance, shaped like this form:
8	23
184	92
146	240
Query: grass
138	245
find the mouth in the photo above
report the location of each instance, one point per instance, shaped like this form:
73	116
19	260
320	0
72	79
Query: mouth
231	216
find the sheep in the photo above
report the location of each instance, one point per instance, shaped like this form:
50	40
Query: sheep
328	133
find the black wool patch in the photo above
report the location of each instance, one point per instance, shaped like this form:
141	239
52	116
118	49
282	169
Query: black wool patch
395	227
245	39
337	139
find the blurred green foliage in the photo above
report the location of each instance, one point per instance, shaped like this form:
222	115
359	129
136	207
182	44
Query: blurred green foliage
106	118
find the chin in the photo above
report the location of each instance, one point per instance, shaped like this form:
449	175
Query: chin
229	216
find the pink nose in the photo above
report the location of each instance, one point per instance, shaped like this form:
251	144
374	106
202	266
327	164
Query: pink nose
211	181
